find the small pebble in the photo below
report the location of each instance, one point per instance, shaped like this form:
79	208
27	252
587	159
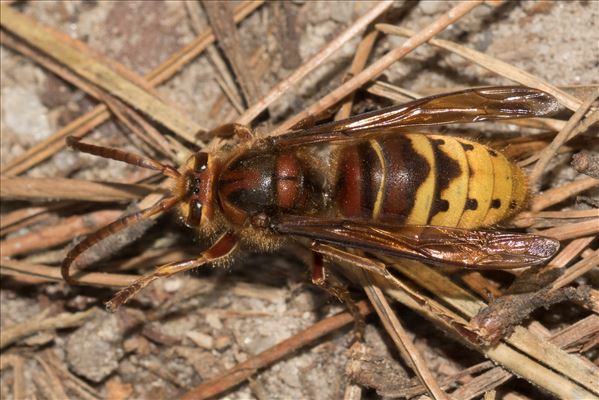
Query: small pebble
94	350
201	339
222	342
214	321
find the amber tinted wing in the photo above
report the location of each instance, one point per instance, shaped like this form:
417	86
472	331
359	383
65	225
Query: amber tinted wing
477	249
473	105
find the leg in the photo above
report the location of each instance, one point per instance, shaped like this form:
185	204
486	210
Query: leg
368	264
379	268
229	130
334	287
223	247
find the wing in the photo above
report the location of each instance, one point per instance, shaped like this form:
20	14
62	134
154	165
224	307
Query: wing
477	249
472	105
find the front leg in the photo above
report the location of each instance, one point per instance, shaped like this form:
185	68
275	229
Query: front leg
223	247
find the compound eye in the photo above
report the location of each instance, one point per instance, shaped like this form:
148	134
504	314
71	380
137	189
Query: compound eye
194	218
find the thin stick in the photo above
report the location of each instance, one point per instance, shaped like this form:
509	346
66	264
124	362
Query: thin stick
11	334
560	139
529	218
492	64
558	194
382	64
332	46
246	369
359	63
70	189
82	125
577	270
220	18
571	231
223	76
580	373
105	73
400	337
58	233
52	274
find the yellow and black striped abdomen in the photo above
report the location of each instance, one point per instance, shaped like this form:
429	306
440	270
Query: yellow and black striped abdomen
427	180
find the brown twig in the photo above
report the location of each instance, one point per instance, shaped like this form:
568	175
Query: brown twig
577	270
558	194
107	74
57	234
575	230
42	322
400	337
52	274
82	125
244	370
559	140
381	64
492	64
70	189
223	26
530	345
332	46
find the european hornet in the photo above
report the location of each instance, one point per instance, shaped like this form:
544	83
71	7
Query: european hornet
360	183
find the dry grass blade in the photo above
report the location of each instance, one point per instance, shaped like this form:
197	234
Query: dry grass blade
16	332
82	125
359	63
481	384
102	72
400	337
52	274
17	363
70	189
560	139
223	26
223	77
522	339
492	64
556	195
244	370
53	383
332	46
572	231
527	219
20	215
58	233
577	270
380	65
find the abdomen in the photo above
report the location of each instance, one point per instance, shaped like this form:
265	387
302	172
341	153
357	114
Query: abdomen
427	180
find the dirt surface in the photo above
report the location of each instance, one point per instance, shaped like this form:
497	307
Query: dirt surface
212	319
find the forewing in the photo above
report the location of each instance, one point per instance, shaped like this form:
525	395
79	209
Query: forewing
472	105
478	249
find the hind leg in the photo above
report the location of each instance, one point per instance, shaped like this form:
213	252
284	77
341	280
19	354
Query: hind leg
334	287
